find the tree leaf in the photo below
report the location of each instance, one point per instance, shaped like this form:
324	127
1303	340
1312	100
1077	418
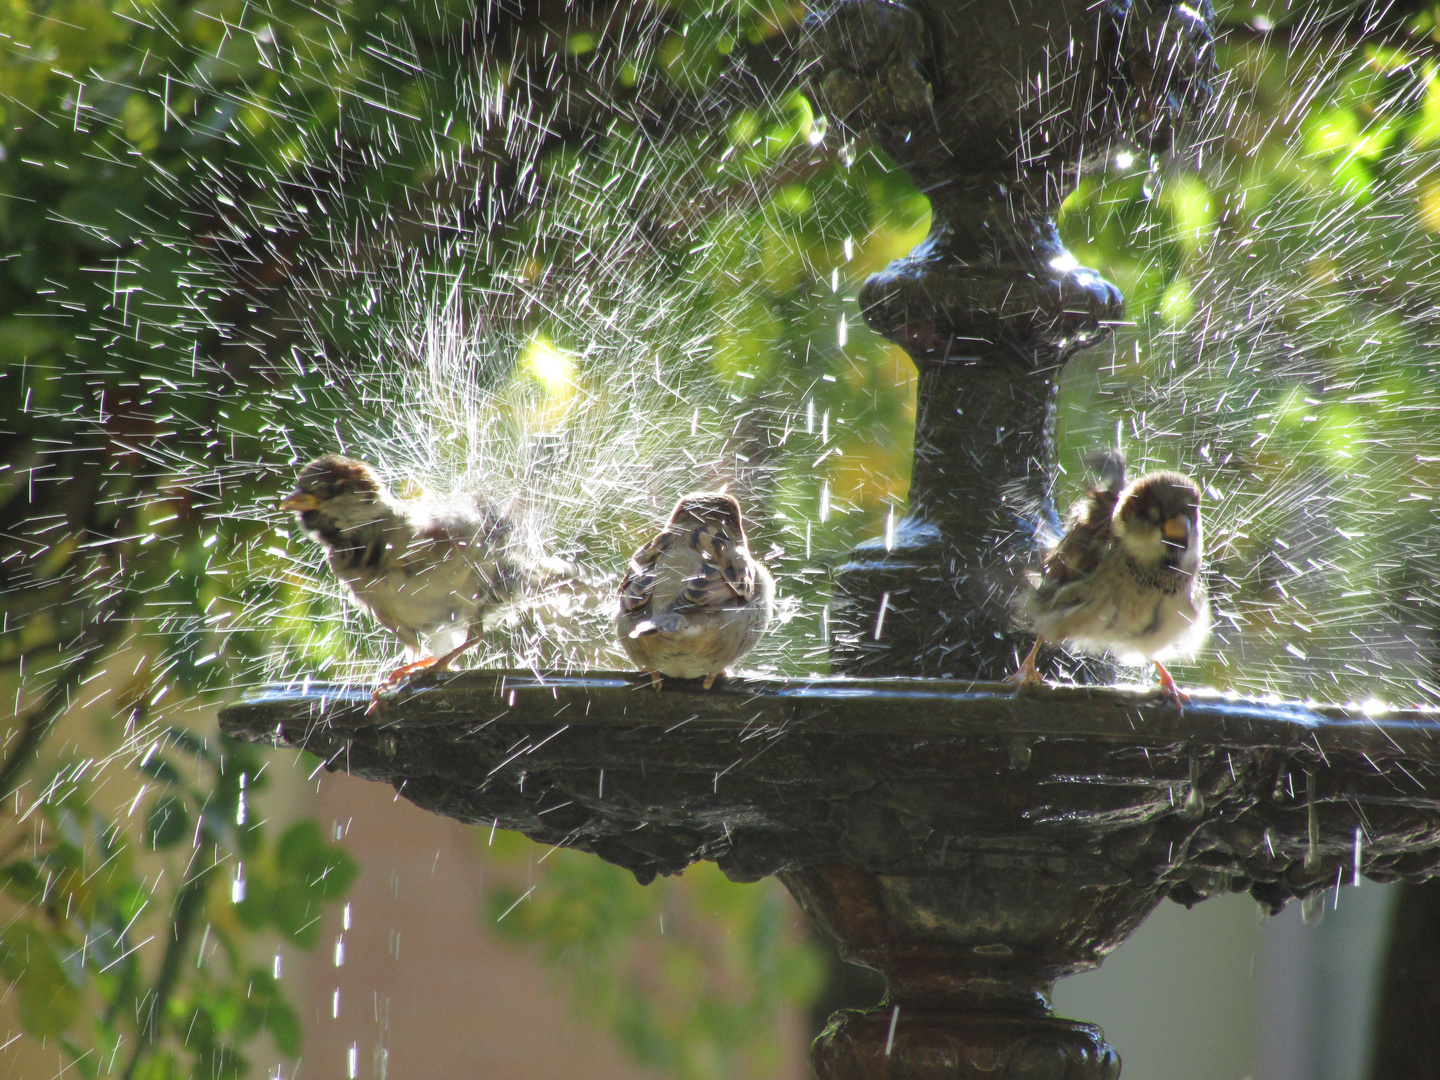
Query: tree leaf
167	823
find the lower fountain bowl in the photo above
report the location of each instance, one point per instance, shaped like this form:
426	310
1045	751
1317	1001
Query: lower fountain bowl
972	843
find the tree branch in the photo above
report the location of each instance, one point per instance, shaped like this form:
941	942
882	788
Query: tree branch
188	902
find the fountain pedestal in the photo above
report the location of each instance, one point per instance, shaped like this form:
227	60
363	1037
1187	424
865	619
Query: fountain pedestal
994	110
969	963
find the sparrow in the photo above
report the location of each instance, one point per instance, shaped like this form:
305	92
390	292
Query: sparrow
1125	576
694	600
429	571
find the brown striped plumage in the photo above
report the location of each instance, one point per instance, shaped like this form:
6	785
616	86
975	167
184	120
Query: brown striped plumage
694	600
429	571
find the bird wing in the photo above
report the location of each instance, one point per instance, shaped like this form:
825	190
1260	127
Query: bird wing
726	578
466	546
1087	537
478	524
638	587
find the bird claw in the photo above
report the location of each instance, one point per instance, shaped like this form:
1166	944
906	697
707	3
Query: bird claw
404	671
1027	674
401	676
1171	691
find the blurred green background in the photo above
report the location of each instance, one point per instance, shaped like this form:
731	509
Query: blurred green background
587	258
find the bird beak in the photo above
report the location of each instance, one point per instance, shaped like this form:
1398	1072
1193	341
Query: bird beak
1177	528
299	501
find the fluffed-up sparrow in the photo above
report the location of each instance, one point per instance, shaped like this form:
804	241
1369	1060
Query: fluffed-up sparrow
694	600
1125	576
429	570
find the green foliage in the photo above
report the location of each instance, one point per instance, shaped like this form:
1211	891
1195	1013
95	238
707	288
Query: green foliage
287	890
690	973
92	895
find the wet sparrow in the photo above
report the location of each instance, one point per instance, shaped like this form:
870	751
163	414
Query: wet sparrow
694	599
430	571
1125	576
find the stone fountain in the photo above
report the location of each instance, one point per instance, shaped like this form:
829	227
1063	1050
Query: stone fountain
972	844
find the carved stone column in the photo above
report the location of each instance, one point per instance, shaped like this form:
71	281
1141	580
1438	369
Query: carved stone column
994	109
969	970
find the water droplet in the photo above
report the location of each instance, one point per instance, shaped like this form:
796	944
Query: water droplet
1312	824
1194	806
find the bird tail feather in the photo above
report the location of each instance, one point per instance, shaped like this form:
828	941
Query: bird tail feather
663	624
1109	466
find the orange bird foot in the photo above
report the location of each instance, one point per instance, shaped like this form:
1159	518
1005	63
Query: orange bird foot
1028	674
1169	689
402	675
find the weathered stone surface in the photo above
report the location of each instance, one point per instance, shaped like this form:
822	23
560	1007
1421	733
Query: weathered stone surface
898	776
971	843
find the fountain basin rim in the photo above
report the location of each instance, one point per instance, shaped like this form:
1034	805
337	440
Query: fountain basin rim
912	779
935	707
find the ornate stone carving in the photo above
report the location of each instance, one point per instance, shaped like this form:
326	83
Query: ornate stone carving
880	69
1166	60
